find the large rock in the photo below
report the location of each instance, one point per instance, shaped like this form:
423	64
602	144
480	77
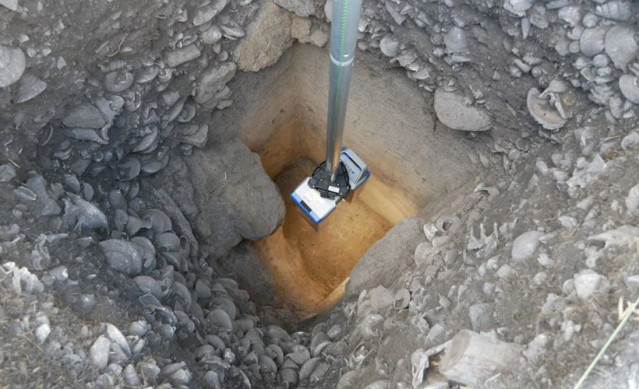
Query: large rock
388	258
454	113
12	65
268	35
235	197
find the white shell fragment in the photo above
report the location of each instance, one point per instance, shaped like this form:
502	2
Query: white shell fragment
122	256
629	88
12	65
620	45
525	245
29	87
543	112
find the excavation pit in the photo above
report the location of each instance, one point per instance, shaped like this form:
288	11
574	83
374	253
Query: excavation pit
281	114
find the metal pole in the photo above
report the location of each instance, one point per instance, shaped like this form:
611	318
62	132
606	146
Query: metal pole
343	39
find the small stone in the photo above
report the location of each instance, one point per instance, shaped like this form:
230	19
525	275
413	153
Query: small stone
454	113
525	245
7	173
587	282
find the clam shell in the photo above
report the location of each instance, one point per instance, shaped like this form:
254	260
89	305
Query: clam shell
543	112
592	40
129	169
148	284
147	74
220	319
149	142
615	10
122	256
146	251
116	336
160	222
389	46
629	88
168	241
620	45
118	81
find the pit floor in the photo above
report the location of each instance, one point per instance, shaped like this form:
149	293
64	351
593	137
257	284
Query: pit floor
310	265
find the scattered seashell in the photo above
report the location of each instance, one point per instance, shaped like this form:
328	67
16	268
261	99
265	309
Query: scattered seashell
389	46
160	222
629	88
379	384
177	57
84	116
188	112
42	332
402	299
29	87
518	7
149	142
99	352
543	113
7	173
630	141
212	35
147	74
220	319
122	256
592	40
79	213
129	169
196	135
130	376
620	45
207	13
615	10
118	81
525	245
116	336
12	65
455	41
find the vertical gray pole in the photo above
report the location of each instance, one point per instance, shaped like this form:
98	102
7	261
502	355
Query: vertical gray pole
343	39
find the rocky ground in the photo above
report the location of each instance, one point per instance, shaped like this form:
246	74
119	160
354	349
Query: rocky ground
122	196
